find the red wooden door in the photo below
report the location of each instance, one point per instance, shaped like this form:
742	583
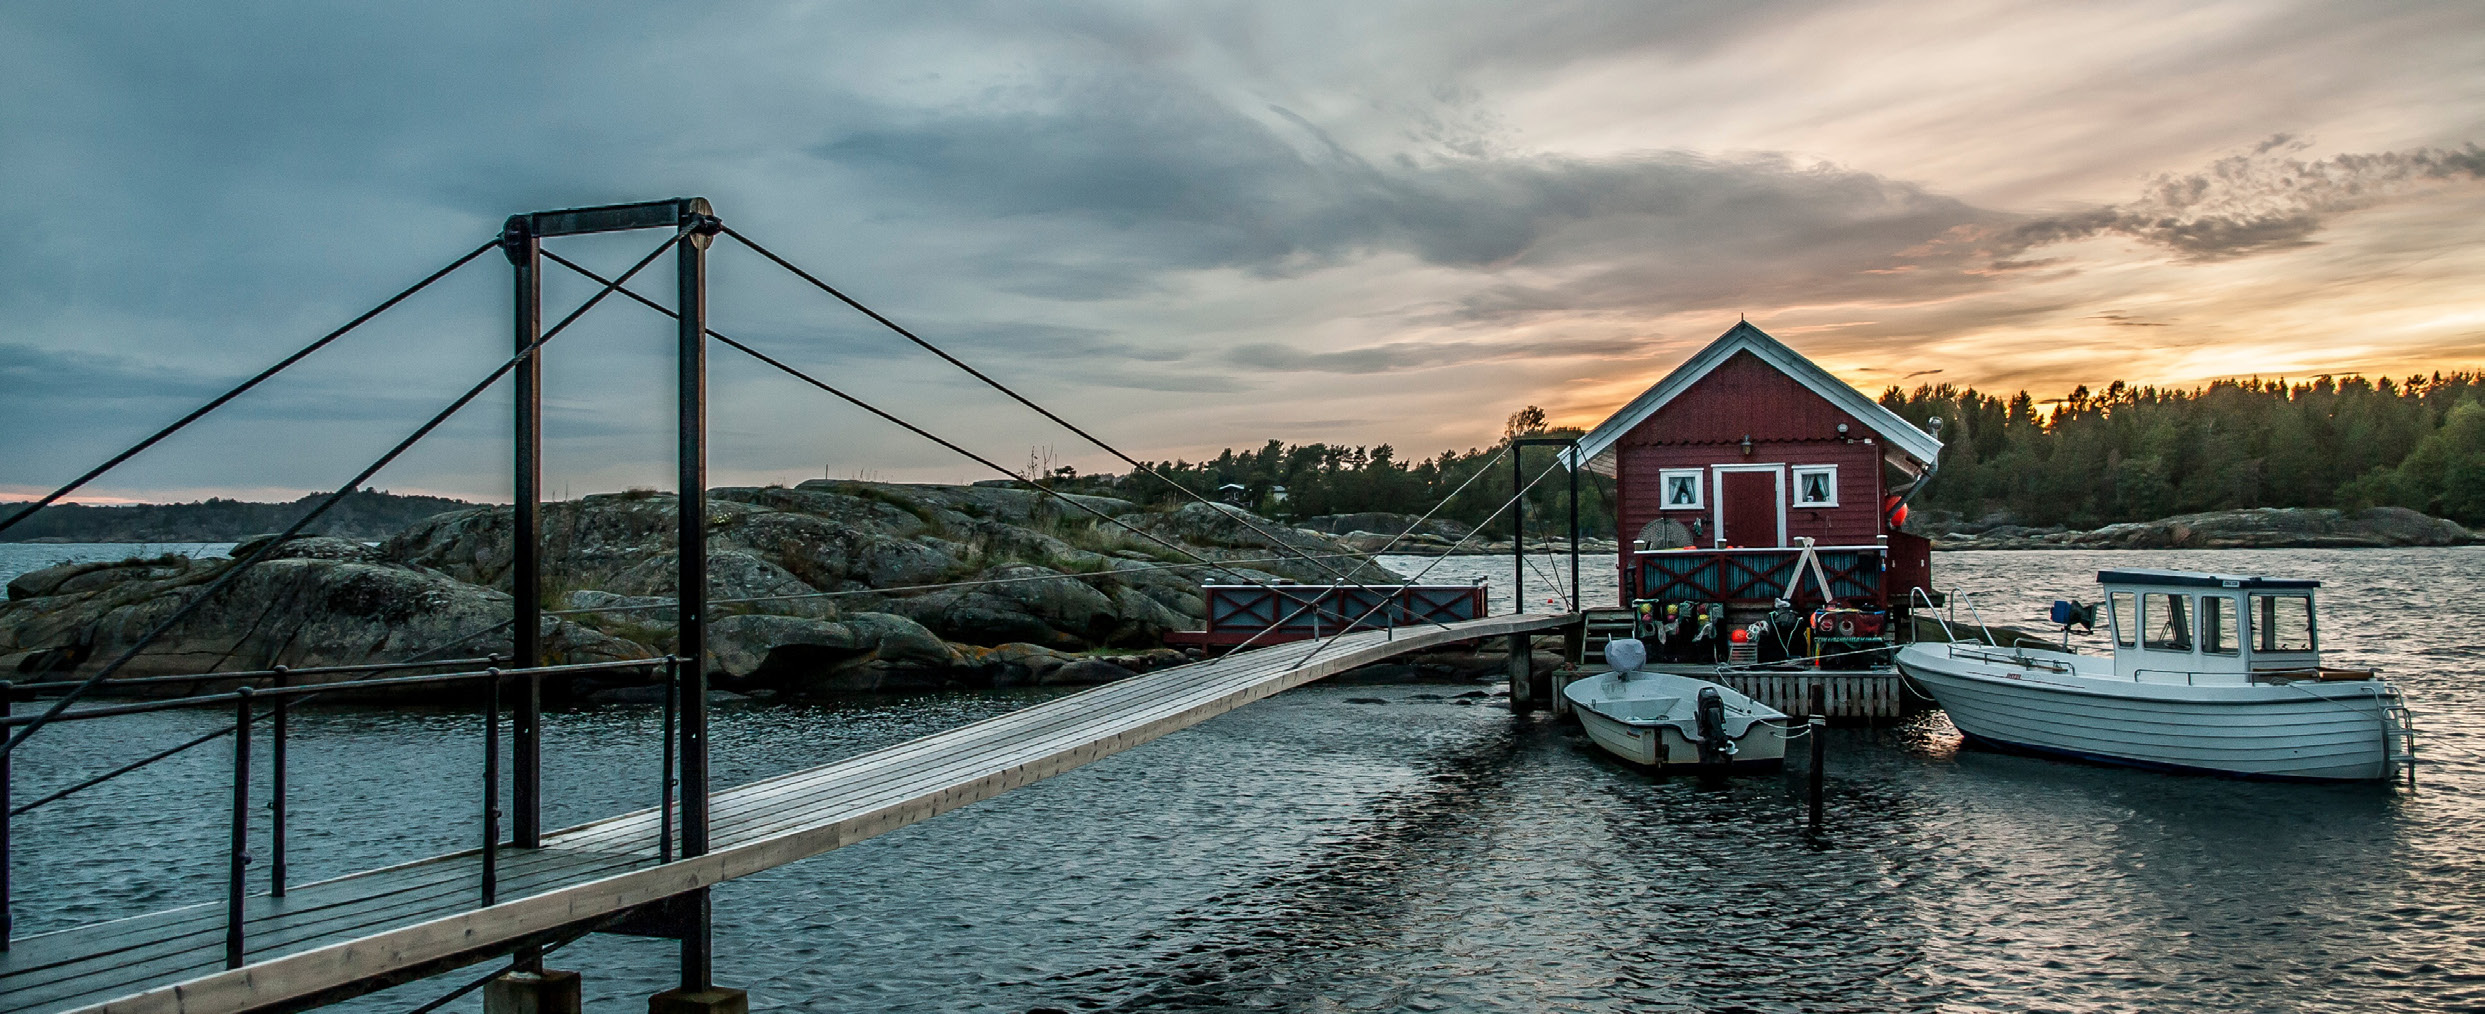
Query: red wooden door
1747	508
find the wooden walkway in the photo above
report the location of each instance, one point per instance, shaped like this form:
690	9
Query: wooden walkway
342	937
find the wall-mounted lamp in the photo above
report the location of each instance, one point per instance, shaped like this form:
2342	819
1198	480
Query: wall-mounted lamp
1842	429
1747	445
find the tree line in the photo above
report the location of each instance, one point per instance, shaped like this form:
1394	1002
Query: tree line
366	514
2088	458
2128	453
1321	478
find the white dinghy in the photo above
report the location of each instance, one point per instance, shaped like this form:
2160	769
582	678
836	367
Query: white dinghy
2211	673
1674	722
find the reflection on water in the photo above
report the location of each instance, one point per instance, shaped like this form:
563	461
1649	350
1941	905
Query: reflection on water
1319	852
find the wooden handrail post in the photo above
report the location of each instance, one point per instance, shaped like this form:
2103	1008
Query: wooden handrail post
277	729
239	855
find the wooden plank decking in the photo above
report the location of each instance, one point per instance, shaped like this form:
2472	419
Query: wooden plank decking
328	940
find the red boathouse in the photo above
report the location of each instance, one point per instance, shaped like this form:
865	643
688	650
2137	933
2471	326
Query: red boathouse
1725	466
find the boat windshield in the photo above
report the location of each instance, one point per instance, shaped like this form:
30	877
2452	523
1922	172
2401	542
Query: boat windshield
2283	623
2125	617
2217	625
2168	621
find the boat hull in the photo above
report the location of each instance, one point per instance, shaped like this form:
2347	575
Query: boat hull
1670	745
2334	732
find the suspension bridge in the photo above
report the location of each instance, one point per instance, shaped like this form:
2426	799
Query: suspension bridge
526	891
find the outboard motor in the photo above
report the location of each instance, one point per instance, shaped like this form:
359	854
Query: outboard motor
1715	749
1626	655
2074	613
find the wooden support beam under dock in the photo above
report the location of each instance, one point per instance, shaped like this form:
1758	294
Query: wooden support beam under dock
331	940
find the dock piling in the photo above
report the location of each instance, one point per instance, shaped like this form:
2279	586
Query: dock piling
1522	674
1817	727
535	992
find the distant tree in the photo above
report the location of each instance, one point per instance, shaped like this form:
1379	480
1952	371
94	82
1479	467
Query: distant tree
1526	422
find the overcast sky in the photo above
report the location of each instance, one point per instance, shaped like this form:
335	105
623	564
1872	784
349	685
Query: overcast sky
1192	225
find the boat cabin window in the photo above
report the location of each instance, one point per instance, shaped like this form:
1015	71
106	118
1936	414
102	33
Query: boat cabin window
2217	625
2167	618
2124	616
2283	622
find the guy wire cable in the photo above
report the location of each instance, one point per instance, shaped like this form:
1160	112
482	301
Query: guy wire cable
224	579
220	400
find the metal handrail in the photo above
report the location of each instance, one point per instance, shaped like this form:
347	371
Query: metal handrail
246	715
258	674
274	693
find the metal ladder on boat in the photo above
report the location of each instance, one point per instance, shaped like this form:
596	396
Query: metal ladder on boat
2398	739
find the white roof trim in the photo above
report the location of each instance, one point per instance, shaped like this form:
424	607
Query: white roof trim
1598	445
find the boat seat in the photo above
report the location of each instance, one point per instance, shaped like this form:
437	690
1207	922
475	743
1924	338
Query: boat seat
1645	709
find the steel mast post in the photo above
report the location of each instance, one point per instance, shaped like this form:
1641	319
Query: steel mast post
699	227
1578	600
525	249
1518	528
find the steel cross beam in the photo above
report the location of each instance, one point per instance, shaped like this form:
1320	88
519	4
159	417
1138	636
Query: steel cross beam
522	240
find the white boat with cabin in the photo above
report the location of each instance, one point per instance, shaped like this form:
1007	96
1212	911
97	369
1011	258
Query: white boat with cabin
1670	722
2211	673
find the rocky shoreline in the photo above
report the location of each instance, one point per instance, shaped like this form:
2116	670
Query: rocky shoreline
825	588
2254	528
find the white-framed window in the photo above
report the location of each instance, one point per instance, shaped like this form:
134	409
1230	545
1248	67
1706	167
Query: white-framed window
1680	489
1816	485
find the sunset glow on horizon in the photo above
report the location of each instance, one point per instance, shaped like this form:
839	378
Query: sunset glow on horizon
1199	226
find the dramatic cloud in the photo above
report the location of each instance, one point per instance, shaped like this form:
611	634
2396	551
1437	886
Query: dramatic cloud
2252	202
1200	224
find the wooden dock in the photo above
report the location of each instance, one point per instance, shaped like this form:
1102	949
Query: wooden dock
328	941
1862	696
1867	696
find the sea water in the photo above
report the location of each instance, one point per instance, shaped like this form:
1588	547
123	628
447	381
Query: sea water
21	557
1399	847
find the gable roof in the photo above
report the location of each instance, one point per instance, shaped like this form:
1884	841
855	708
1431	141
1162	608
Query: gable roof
1598	445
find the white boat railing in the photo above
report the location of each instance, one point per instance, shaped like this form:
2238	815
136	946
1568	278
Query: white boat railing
1913	594
2019	659
1981	628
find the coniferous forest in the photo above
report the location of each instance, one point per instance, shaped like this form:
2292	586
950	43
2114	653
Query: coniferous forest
2089	458
2138	453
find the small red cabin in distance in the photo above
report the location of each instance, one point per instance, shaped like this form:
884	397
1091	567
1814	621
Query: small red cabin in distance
1744	450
